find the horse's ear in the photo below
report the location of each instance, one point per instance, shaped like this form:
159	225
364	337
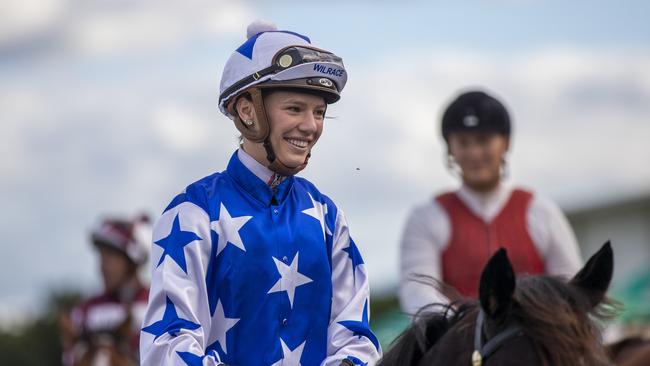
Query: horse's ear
595	276
497	284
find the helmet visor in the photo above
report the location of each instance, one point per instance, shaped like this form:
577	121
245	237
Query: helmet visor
296	55
295	62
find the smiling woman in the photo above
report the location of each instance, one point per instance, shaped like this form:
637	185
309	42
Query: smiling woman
253	265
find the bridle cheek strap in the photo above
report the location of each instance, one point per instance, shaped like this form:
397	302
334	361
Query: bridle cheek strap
483	351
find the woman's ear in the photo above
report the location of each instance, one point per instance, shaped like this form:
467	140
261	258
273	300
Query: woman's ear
245	108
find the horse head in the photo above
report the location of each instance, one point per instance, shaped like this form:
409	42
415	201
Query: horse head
531	320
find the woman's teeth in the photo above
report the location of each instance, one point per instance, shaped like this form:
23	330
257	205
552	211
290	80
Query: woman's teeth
298	143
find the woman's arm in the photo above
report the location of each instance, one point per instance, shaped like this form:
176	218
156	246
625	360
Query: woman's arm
350	340
177	322
426	231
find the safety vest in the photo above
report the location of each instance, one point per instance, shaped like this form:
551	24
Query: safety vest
473	241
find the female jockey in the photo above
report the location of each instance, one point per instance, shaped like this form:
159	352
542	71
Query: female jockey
253	265
450	238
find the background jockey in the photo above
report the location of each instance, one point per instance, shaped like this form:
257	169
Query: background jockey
253	265
114	317
451	236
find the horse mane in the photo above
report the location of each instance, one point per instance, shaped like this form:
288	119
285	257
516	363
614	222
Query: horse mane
429	324
564	332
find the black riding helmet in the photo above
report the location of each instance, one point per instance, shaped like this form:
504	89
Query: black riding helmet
475	111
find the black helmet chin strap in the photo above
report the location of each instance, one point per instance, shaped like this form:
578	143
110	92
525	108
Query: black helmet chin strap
270	154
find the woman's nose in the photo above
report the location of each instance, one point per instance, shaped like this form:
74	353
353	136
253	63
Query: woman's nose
309	123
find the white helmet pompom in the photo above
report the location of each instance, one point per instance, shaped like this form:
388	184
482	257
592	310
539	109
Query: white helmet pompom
258	26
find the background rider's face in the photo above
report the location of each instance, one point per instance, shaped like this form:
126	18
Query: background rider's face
115	267
296	121
479	155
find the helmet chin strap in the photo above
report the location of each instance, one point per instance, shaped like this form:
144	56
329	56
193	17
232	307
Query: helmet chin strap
276	165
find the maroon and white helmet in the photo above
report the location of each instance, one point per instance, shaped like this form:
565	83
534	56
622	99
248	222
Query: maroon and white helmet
131	237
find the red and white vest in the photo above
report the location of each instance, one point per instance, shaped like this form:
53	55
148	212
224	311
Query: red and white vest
473	241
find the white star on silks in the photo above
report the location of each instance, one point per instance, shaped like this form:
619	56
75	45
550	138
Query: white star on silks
220	326
289	357
228	229
290	278
318	211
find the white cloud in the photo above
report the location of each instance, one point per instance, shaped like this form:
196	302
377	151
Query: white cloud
104	28
179	127
23	19
142	27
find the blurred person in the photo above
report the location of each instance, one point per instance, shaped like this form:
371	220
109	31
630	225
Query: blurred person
108	325
451	236
254	265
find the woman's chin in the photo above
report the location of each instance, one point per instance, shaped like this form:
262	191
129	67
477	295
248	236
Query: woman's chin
292	160
483	184
480	178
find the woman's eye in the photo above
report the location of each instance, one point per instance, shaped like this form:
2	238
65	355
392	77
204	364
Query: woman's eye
319	114
294	109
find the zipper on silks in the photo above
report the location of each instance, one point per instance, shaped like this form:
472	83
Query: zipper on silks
489	240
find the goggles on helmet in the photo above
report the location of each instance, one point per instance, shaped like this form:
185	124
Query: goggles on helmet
297	56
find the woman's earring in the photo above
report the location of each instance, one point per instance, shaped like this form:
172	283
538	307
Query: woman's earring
451	163
249	122
453	167
504	168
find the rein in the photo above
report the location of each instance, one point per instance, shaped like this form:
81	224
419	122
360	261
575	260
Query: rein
483	351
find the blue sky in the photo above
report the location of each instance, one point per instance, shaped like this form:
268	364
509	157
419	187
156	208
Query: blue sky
110	108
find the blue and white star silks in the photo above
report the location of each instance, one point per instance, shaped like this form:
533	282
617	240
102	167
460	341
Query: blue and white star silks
290	357
170	323
191	359
353	253
174	244
228	229
361	328
357	361
257	283
220	326
290	278
318	211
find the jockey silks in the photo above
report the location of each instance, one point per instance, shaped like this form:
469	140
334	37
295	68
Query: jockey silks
247	275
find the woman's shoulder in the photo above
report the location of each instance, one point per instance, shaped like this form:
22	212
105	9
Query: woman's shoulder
541	206
307	187
312	197
199	192
429	209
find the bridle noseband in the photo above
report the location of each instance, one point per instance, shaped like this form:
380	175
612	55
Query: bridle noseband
483	351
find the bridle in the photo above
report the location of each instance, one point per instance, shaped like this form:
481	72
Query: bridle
483	351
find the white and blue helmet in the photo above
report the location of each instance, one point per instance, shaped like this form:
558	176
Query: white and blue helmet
273	58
